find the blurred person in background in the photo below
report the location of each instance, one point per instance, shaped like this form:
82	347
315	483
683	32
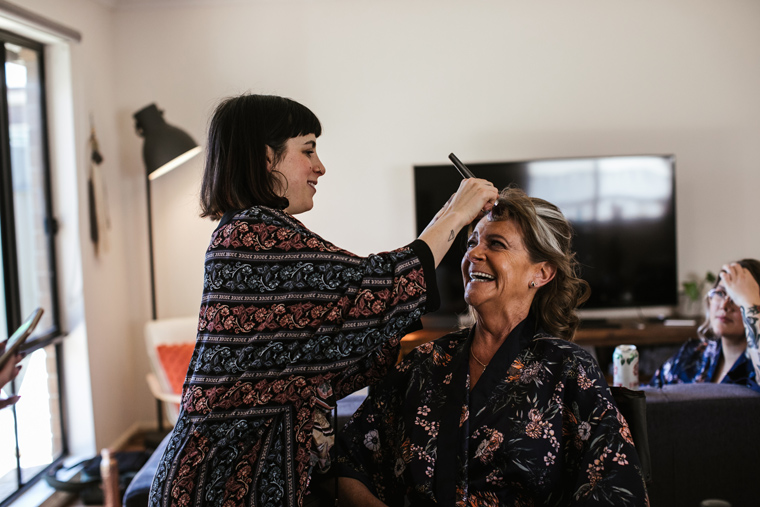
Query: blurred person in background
726	349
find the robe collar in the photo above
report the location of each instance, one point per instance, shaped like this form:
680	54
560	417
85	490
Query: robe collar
454	431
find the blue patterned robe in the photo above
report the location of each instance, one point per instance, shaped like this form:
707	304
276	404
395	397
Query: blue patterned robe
539	428
288	324
697	361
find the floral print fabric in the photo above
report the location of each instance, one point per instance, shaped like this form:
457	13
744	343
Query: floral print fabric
288	324
697	361
539	428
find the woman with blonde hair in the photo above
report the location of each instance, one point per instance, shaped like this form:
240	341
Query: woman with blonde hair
510	411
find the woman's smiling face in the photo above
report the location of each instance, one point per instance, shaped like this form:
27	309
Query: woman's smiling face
497	268
301	168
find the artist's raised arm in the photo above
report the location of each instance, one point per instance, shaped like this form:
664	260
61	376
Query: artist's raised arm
473	197
744	290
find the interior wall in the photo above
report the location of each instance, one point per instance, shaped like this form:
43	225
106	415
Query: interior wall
105	332
397	83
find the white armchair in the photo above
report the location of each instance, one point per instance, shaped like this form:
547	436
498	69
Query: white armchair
170	344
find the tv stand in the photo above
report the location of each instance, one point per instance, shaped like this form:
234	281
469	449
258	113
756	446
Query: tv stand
635	333
613	334
600	324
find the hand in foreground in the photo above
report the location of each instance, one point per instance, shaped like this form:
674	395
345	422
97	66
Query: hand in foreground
8	373
740	285
473	199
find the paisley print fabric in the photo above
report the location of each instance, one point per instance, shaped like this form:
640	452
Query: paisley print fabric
539	428
288	324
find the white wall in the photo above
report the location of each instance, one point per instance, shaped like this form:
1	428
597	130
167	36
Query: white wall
402	82
105	357
397	83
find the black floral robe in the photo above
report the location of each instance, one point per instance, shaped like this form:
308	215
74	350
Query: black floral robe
539	428
288	324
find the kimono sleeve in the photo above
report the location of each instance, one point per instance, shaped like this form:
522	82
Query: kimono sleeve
603	467
668	372
370	447
311	306
376	320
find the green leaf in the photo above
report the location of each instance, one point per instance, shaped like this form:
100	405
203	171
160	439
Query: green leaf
692	290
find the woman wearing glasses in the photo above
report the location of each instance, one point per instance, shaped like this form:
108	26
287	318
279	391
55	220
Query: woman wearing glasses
727	348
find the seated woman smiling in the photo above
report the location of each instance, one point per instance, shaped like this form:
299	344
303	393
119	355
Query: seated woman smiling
509	412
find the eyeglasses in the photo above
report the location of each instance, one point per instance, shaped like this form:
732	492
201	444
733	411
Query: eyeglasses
719	296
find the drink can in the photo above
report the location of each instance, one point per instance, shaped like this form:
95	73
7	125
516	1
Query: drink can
625	360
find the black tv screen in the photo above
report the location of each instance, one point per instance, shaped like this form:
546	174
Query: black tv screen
622	209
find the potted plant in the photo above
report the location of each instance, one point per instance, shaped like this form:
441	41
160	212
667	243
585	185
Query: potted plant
693	291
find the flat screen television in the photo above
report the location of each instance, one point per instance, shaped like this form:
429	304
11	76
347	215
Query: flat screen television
622	209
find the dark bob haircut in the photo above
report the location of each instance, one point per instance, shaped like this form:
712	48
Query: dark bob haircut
235	176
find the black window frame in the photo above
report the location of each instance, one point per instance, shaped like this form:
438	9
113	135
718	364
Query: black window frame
53	335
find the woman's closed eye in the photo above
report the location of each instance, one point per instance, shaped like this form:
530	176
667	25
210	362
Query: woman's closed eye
496	242
492	244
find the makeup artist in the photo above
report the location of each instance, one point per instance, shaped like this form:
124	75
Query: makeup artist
289	322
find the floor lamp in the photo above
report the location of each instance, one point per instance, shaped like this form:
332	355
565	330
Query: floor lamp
165	147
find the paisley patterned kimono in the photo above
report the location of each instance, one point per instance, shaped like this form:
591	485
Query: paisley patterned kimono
288	324
539	428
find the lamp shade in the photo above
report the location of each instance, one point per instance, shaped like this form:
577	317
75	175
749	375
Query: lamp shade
165	146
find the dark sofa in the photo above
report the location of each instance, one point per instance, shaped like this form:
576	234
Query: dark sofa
704	443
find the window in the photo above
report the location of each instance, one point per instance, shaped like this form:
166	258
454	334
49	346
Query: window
31	432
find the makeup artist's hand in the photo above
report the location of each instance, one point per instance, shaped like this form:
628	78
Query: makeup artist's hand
463	197
472	200
740	285
8	373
